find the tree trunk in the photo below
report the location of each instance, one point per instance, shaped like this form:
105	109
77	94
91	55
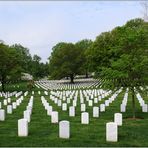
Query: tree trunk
133	102
86	74
71	78
3	84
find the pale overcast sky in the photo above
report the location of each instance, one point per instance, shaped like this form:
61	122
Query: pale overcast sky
40	25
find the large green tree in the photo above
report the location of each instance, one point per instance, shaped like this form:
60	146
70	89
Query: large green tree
123	56
64	61
9	64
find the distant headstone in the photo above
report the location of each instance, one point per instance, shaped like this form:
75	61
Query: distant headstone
64	106
96	100
84	118
83	107
2	114
49	110
118	118
145	108
102	107
95	111
90	103
59	103
71	111
27	115
122	108
9	109
54	117
14	105
9	100
5	102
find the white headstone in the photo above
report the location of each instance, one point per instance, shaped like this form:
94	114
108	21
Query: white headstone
9	109
96	100
83	107
64	106
59	102
29	108
9	100
84	118
81	100
68	100
145	108
0	105
64	129
27	115
106	102
2	114
54	117
122	108
111	132
102	107
17	102
14	105
74	103
90	103
5	102
56	100
95	111
22	127
71	111
118	118
49	110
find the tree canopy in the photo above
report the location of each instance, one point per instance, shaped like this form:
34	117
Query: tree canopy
64	61
10	63
83	47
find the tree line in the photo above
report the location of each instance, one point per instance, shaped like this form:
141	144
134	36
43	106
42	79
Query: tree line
118	57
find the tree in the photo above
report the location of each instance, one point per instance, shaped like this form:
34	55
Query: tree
83	47
99	53
64	61
35	66
44	70
24	55
9	63
129	66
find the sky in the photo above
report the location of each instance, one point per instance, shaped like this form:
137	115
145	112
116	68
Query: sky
40	25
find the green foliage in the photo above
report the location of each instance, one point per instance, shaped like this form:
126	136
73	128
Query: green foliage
121	55
65	61
24	57
83	47
9	63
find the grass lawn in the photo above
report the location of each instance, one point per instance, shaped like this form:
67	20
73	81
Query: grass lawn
43	133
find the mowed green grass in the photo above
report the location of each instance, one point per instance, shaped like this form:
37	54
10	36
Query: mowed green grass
45	134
